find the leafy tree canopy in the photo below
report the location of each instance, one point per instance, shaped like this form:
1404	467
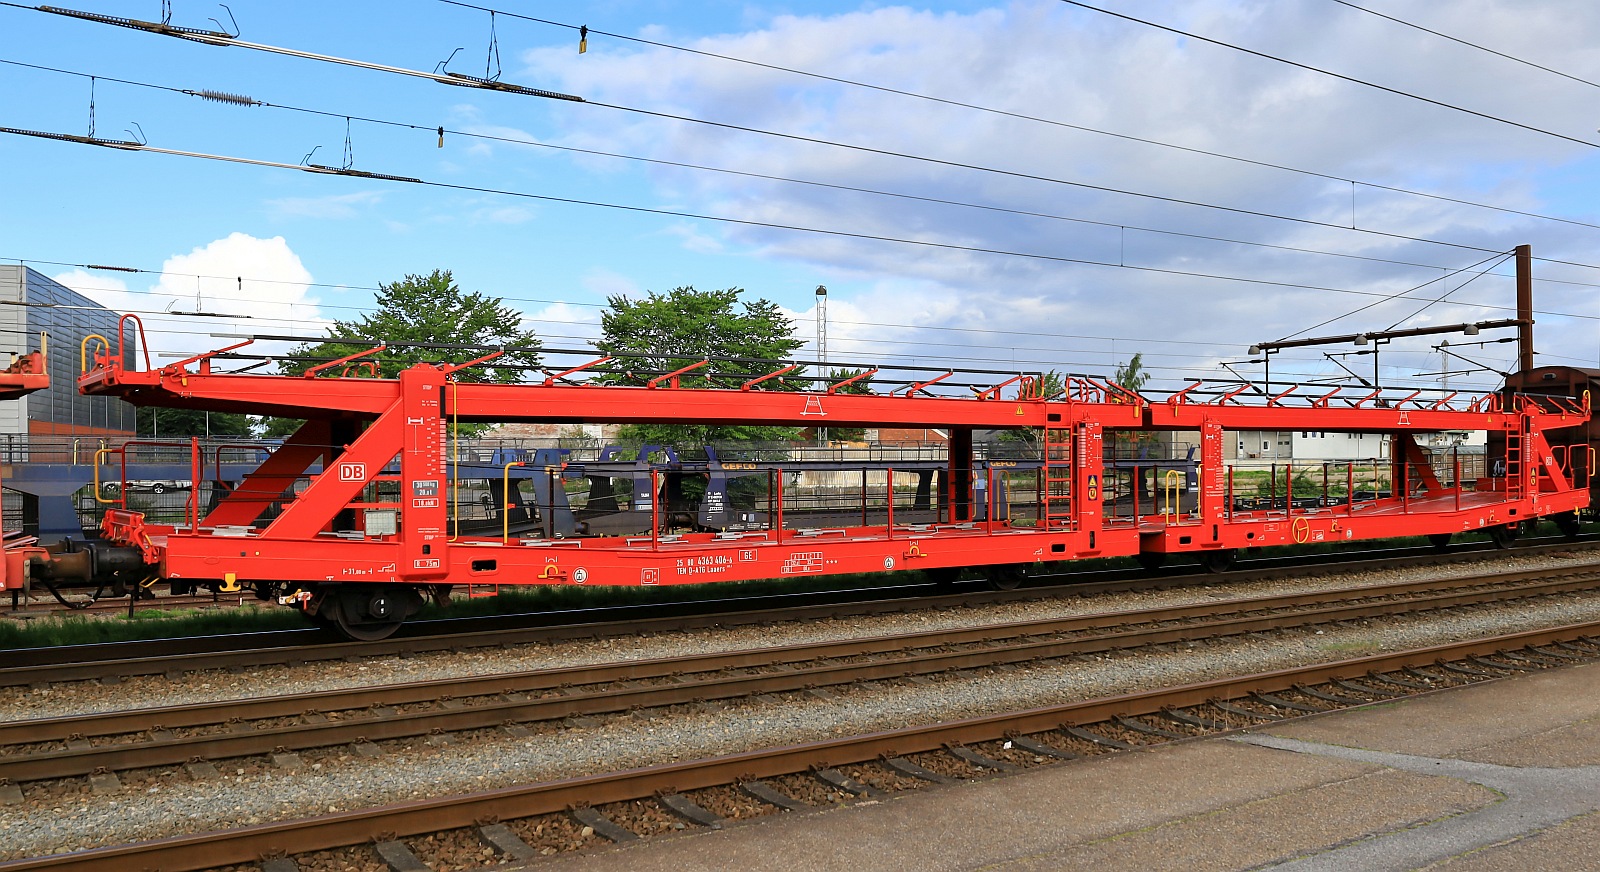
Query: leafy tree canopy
1047	385
458	326
1131	375
864	386
685	325
191	422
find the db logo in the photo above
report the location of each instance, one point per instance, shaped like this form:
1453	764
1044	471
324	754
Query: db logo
352	472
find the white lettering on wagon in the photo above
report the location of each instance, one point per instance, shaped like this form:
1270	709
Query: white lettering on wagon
703	564
802	562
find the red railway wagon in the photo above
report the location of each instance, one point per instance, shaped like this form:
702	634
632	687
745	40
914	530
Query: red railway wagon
1529	476
1580	445
26	374
371	532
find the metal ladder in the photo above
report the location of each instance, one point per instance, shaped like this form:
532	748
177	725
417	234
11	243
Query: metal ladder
1057	468
1516	479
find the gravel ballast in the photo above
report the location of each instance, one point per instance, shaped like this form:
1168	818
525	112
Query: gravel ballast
165	803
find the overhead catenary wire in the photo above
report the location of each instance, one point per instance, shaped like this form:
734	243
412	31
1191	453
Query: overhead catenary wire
1201	360
249	101
865	149
877	325
1341	76
218	38
1220	277
1021	116
1501	258
1458	40
947	246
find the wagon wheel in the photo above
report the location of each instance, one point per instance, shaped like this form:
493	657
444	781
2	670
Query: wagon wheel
1218	561
1503	535
1007	576
943	576
367	613
1568	524
1440	541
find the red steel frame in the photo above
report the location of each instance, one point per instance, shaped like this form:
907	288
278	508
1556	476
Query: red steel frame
405	422
359	427
24	376
1536	486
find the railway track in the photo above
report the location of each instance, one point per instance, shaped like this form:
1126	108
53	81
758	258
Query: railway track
112	661
49	748
162	601
854	764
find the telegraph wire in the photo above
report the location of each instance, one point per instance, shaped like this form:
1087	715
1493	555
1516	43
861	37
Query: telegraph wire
1020	116
1460	41
1352	79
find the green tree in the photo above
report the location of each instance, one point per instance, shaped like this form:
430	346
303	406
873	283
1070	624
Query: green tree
864	386
425	318
429	318
666	332
1131	375
1047	385
162	423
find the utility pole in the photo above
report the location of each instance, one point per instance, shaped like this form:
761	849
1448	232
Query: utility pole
1524	307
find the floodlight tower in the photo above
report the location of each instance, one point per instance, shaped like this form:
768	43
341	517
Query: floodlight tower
822	348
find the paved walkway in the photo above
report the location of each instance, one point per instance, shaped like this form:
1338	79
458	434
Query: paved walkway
1500	776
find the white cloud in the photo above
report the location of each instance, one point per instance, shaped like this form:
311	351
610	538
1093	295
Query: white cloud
240	284
1055	62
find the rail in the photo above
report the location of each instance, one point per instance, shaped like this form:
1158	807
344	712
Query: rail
247	844
703	677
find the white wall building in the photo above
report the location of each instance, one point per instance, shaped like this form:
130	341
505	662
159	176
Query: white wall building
1317	446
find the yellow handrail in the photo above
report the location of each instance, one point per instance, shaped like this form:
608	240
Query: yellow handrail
83	350
1172	488
98	456
505	511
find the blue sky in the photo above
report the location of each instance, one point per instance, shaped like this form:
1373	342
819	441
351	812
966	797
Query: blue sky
302	248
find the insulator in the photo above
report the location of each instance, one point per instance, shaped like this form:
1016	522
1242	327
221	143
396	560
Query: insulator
225	97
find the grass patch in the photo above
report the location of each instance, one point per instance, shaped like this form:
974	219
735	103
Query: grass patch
145	624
